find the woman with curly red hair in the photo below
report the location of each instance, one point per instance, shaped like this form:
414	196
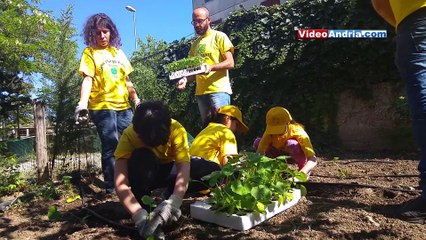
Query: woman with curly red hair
106	88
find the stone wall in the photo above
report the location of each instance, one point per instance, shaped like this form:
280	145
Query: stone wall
372	125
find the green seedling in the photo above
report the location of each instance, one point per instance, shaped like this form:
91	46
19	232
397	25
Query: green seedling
69	188
149	201
53	214
343	173
185	63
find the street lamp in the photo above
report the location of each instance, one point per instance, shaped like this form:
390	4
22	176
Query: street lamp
133	10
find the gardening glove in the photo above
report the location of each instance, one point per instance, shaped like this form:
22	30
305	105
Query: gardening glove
81	114
207	68
136	102
167	212
181	84
141	221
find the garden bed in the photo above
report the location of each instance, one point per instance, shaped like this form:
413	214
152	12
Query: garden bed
335	207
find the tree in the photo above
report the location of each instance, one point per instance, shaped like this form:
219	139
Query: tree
60	83
22	30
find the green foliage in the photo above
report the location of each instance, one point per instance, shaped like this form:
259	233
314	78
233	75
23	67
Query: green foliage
23	29
185	63
48	191
307	77
60	82
152	81
147	64
249	183
10	179
70	190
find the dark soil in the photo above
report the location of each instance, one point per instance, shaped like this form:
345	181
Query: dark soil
351	198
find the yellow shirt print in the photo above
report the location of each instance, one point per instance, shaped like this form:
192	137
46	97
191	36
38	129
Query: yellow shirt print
109	68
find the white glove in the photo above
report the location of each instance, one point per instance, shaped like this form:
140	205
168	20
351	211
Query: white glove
141	221
136	102
81	114
207	68
167	212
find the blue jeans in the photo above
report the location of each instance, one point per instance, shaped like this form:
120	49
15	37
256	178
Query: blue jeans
212	101
109	124
411	62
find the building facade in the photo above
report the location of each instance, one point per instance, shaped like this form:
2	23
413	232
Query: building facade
220	9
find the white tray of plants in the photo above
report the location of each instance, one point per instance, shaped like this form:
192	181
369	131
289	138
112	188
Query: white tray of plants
186	67
249	190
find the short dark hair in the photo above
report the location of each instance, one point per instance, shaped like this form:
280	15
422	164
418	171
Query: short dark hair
101	20
152	123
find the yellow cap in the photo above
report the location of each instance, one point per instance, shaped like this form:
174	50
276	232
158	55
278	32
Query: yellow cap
277	118
234	112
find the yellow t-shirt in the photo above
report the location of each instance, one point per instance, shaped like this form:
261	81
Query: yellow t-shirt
214	142
216	44
108	68
176	148
402	8
295	132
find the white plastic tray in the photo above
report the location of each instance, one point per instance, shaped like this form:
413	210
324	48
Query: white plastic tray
201	210
187	72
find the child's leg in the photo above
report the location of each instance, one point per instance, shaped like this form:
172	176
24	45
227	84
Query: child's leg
147	173
270	152
295	151
200	167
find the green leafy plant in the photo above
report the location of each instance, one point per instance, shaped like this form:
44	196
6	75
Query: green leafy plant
185	63
48	191
248	183
70	189
343	172
10	179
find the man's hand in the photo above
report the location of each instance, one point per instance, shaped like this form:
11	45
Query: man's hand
81	114
181	84
167	212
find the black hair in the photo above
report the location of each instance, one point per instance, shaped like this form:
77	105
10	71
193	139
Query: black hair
152	123
219	118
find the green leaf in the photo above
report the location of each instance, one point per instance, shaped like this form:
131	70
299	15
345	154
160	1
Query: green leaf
147	200
53	214
238	188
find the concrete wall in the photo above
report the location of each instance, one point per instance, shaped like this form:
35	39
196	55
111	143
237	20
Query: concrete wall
371	125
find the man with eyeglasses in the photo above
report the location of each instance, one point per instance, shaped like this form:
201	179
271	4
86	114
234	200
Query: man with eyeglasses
213	88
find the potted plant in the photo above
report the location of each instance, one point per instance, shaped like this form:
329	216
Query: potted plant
248	190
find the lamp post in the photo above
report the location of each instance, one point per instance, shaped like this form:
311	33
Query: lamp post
133	10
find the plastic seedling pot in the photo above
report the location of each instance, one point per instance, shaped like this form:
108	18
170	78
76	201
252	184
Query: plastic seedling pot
201	210
187	72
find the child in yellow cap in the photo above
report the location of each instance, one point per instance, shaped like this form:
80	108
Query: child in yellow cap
215	143
284	136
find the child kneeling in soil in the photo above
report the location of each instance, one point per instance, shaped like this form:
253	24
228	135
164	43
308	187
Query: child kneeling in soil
284	136
145	156
215	143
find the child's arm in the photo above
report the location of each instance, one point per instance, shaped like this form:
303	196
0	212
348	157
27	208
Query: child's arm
312	162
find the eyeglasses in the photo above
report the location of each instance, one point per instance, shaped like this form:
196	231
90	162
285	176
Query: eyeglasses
198	21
